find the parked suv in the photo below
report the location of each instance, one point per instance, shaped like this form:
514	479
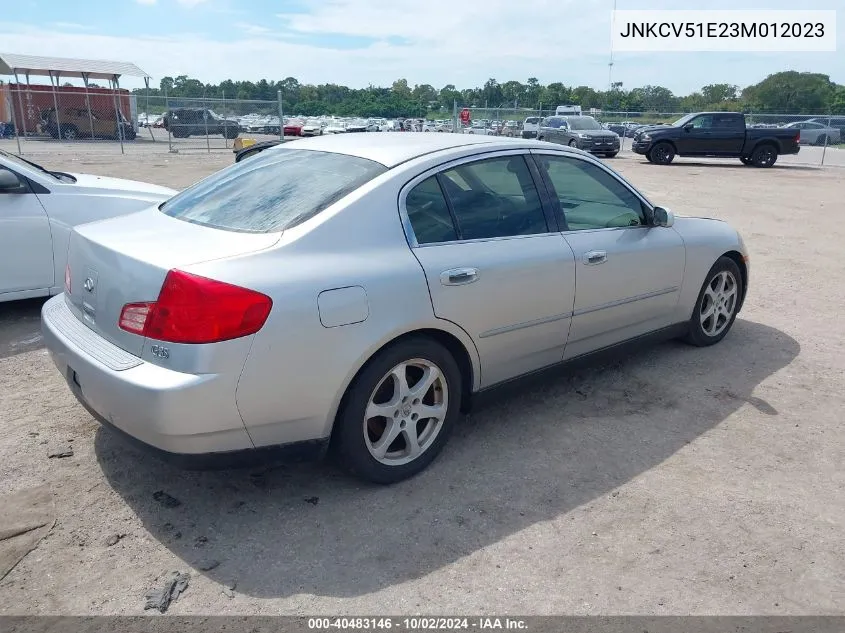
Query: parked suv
185	122
530	127
75	123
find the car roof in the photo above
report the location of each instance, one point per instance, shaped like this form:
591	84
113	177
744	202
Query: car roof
394	149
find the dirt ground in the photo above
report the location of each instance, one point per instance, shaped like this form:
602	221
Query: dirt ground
673	481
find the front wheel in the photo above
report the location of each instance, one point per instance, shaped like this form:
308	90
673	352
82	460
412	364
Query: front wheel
764	156
398	412
611	155
745	160
717	304
573	143
662	154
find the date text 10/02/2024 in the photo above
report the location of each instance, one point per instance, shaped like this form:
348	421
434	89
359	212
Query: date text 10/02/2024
417	623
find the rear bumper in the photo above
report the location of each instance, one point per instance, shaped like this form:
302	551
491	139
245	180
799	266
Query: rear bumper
170	411
529	134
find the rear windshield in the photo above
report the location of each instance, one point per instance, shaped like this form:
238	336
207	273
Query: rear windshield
271	191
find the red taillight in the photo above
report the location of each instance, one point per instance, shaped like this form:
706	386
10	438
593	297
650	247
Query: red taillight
67	278
194	309
798	136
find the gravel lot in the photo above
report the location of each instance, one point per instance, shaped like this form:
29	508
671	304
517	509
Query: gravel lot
675	480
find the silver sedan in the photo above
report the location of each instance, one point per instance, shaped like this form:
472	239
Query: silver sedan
355	292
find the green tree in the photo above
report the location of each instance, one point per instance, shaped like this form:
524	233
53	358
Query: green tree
401	89
718	93
791	91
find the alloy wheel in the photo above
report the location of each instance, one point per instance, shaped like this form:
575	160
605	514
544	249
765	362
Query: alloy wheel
405	412
718	303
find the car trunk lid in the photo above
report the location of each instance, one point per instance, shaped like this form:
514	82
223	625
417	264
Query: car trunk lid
125	260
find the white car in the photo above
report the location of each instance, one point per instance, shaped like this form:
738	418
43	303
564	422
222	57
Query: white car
335	127
478	127
312	127
38	209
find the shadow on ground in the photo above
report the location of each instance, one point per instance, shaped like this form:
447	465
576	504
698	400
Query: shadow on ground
521	460
738	165
20	327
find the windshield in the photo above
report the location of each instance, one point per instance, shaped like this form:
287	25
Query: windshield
22	162
275	190
583	123
554	122
214	115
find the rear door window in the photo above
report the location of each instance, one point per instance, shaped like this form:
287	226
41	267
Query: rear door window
277	189
495	197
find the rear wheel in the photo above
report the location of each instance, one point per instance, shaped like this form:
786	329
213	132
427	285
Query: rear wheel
764	156
69	133
662	153
717	305
398	412
573	143
746	160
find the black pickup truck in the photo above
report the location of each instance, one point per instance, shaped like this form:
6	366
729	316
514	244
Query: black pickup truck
716	134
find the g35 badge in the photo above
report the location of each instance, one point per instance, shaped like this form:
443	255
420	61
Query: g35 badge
160	351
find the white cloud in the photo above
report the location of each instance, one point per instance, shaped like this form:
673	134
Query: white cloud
445	42
252	29
72	26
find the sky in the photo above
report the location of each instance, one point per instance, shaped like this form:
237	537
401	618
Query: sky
362	42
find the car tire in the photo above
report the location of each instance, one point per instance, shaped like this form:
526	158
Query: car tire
359	429
648	157
717	304
822	140
745	160
573	143
764	155
662	153
611	155
70	133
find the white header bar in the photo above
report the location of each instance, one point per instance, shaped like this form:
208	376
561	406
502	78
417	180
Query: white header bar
724	31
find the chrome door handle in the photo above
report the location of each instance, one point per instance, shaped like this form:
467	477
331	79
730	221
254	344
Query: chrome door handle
458	276
595	257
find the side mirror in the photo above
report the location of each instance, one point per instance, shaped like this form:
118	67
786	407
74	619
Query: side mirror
8	180
688	127
663	217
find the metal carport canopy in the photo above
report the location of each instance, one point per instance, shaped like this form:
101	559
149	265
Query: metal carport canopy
14	64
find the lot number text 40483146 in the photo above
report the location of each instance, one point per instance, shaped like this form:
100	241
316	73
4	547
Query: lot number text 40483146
419	623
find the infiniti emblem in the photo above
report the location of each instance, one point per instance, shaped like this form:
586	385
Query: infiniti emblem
89	285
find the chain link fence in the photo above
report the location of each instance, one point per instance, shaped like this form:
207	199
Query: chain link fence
33	119
36	118
822	135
